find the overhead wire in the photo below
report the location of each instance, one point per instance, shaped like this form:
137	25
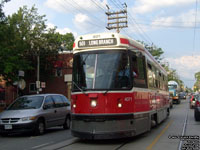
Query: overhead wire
194	35
138	29
74	4
86	11
64	7
96	26
98	5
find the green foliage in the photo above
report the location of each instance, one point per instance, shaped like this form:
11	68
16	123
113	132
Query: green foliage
197	83
67	41
154	50
24	36
157	53
173	76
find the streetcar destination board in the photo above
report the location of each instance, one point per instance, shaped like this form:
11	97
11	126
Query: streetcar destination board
97	42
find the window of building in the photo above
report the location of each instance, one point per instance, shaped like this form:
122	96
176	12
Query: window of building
58	72
32	87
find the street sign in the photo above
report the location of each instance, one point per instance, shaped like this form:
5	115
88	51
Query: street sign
21	73
43	84
37	84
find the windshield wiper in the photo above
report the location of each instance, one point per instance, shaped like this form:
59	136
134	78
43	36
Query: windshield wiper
79	88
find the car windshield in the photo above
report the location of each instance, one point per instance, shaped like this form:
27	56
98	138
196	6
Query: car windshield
101	70
33	102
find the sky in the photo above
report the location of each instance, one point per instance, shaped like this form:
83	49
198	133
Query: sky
173	25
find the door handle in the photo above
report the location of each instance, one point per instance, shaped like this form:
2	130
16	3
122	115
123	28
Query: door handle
55	111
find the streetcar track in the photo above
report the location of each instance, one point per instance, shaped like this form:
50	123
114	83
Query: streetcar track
65	146
61	145
123	144
184	130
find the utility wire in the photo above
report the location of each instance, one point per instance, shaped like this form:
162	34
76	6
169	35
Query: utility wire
85	11
99	6
169	26
78	11
194	36
142	34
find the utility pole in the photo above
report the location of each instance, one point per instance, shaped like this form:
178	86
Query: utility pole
119	17
38	71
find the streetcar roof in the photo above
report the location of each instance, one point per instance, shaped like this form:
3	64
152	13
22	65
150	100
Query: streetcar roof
107	40
100	41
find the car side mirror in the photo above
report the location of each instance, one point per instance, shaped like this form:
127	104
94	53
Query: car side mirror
45	107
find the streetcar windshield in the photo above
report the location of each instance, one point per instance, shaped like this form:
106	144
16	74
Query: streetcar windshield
172	86
104	70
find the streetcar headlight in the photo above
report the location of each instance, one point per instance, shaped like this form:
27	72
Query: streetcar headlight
93	103
119	105
74	105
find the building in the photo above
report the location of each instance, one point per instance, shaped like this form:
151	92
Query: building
59	82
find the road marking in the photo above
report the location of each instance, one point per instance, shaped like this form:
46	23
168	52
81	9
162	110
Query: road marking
38	146
158	137
60	145
184	129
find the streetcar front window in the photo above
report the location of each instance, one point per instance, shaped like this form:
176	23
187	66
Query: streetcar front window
101	71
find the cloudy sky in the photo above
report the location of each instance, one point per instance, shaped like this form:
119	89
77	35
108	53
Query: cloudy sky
173	25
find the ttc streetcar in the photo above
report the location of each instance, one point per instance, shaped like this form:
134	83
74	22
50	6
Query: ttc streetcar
119	90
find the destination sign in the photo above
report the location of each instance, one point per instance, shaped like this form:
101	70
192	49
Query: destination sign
97	42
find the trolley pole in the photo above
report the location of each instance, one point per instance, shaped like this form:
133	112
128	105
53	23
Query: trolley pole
117	19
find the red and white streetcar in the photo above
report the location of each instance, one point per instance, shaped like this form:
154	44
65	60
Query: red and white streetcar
119	89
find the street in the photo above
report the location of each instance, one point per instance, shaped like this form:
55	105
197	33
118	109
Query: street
167	135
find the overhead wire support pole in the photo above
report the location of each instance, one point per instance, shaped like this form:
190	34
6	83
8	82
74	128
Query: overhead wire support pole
119	19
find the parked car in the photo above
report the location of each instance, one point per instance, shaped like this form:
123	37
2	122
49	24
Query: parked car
35	113
197	109
193	100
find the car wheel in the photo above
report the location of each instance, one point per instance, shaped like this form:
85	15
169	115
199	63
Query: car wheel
40	127
196	115
67	123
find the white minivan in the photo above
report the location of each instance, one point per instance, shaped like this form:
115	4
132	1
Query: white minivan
35	113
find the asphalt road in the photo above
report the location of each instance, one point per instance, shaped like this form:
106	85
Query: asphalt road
168	135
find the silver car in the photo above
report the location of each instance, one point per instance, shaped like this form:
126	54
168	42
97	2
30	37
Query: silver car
35	113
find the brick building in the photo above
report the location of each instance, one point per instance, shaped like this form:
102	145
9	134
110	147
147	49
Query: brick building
59	82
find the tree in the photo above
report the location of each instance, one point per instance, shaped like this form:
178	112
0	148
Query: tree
173	76
67	41
10	59
26	37
154	50
197	83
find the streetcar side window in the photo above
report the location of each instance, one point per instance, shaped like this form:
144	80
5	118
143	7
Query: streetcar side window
150	76
138	70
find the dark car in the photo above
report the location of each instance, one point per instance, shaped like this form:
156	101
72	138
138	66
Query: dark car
197	109
193	99
182	95
35	113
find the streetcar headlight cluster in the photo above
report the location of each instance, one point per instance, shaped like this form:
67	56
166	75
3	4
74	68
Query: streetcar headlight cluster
119	105
93	103
74	105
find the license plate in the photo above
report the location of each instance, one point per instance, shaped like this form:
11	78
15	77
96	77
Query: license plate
7	127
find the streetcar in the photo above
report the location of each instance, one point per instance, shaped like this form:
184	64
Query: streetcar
118	89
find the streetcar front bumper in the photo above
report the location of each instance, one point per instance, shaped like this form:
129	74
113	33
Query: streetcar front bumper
107	126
